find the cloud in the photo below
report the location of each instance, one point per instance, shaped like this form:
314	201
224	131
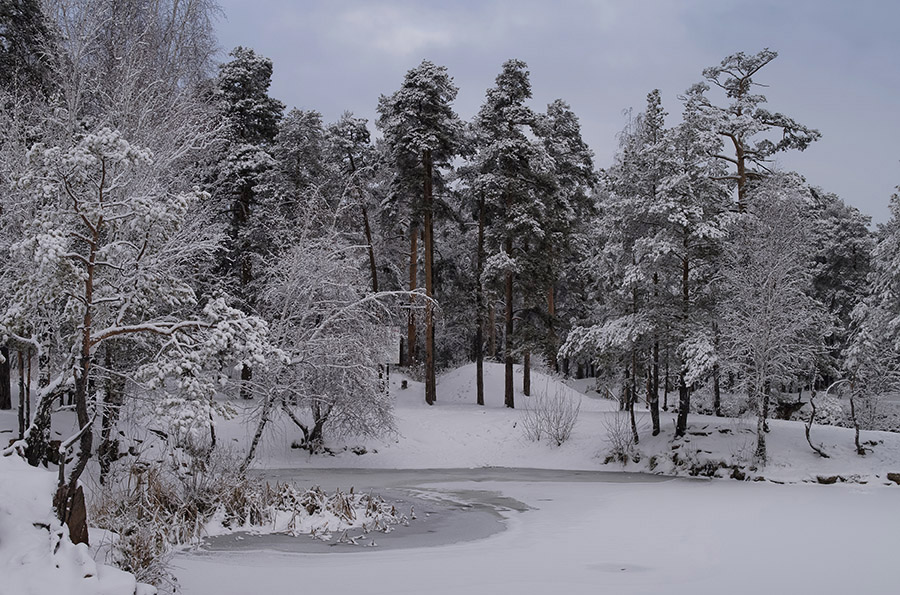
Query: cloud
393	30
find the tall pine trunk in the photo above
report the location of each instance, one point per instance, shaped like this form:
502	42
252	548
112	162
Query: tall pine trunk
413	280
492	332
479	308
526	374
430	380
762	406
23	408
551	329
5	390
653	390
684	392
684	405
509	395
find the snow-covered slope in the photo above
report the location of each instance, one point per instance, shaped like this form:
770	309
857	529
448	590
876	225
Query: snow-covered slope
455	432
36	556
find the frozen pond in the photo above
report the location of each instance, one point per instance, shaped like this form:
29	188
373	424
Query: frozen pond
442	515
581	533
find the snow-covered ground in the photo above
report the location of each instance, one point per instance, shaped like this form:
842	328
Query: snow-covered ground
36	556
568	531
457	433
681	536
583	534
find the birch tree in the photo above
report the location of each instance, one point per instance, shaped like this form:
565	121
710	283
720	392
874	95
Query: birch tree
772	330
108	257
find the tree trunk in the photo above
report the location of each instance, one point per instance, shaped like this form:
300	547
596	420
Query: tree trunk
526	374
373	269
113	399
430	380
666	383
23	416
479	309
509	397
246	377
492	332
684	406
257	436
413	277
551	332
717	392
760	454
859	449
654	391
38	443
653	395
632	393
28	385
5	387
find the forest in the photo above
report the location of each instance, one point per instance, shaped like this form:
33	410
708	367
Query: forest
180	249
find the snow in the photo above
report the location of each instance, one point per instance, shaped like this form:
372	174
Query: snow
580	533
681	536
567	527
36	556
457	433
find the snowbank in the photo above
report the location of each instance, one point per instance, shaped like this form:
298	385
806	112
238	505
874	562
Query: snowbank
36	555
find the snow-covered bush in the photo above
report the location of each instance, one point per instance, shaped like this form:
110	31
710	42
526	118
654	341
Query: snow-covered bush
147	509
333	331
829	411
550	414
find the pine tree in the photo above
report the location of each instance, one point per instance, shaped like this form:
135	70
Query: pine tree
514	174
423	135
872	359
350	149
28	52
569	208
743	123
843	247
251	118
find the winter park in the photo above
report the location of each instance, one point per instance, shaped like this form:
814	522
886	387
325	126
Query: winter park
398	297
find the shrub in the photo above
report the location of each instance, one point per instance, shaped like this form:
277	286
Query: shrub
551	415
619	437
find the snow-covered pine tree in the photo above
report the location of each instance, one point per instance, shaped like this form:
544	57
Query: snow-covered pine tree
569	209
27	49
423	135
628	262
872	359
351	152
514	173
843	250
744	123
251	120
695	208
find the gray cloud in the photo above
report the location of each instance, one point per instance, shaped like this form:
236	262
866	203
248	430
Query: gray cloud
836	69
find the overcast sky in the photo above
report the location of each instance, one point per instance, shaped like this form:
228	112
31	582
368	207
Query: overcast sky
838	67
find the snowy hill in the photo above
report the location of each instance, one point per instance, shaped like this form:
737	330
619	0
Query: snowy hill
457	433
